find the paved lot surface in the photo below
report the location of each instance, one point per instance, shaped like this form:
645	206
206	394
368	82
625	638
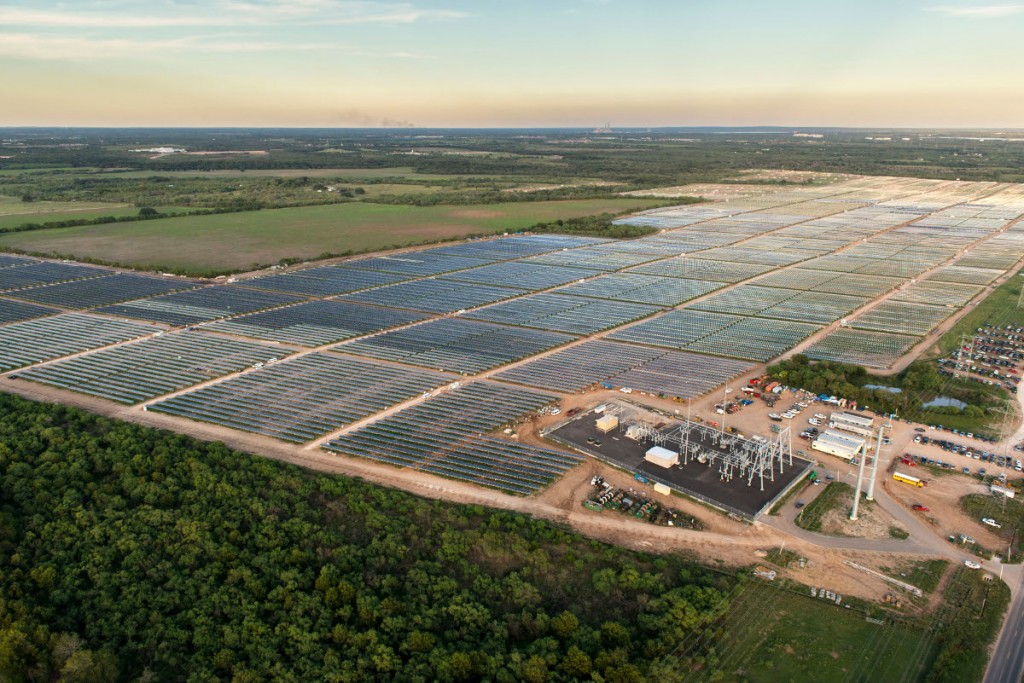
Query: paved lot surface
739	494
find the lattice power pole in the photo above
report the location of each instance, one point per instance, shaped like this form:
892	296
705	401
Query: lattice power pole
964	355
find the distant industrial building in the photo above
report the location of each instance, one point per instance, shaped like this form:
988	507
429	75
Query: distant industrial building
850	422
839	444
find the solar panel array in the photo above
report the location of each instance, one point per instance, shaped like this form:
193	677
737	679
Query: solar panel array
199	305
45	273
442	436
562	313
755	339
523	275
436	295
902	317
814	307
719	334
656	371
873	349
13	311
418	263
702	269
940	293
457	345
315	323
100	291
324	281
302	398
744	300
135	372
8	261
519	247
677	329
32	341
964	275
592	258
644	289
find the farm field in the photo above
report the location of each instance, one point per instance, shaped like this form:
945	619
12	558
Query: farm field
14	206
13	220
237	241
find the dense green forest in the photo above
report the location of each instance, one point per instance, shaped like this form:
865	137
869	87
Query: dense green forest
128	553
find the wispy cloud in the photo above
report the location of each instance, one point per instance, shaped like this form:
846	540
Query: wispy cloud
232	13
31	46
980	11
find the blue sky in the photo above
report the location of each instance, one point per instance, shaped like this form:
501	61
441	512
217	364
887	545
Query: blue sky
489	63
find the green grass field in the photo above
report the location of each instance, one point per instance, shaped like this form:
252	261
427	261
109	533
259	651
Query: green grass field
1007	512
230	242
13	206
8	221
773	635
836	494
925	574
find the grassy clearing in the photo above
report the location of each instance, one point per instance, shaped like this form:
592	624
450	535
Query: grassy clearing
208	245
29	211
834	496
774	635
967	624
1007	512
782	557
116	210
925	574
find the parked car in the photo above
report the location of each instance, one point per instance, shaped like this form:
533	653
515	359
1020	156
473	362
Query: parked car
971	564
920	508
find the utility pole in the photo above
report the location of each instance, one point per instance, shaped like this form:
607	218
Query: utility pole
860	481
966	348
874	466
1004	429
725	402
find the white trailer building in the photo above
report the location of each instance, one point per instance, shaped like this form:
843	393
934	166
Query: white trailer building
851	422
845	446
